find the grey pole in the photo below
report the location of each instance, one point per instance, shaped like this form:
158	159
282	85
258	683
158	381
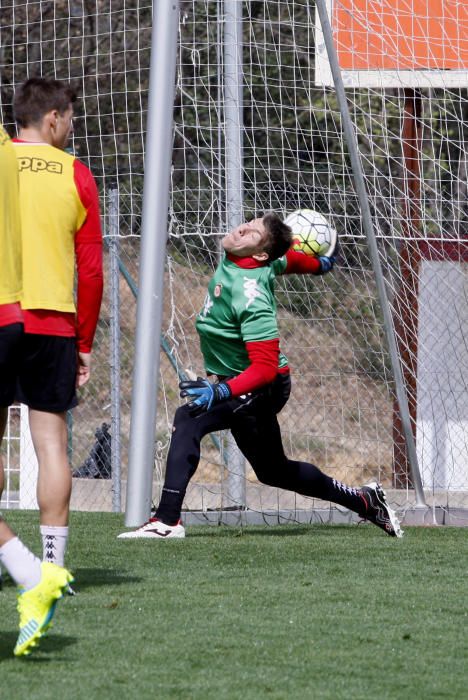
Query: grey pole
233	117
233	105
373	249
152	260
114	274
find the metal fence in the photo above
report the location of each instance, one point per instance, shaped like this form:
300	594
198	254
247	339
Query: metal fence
342	413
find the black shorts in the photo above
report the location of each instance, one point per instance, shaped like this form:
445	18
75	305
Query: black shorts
47	373
10	346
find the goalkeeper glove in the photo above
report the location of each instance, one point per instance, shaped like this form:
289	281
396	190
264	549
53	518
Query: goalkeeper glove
203	395
326	264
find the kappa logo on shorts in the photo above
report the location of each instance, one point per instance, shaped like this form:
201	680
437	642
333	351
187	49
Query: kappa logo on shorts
37	165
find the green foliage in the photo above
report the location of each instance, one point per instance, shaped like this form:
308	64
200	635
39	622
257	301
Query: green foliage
294	152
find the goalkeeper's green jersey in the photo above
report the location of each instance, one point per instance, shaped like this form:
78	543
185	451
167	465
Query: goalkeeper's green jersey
240	307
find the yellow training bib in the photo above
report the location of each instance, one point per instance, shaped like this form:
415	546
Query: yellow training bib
10	224
51	214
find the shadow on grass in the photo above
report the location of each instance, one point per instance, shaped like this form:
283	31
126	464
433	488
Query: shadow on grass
203	532
92	578
52	644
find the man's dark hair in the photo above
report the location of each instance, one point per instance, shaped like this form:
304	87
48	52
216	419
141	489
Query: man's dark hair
279	236
37	96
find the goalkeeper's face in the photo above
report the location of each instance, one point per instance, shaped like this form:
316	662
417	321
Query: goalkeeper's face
247	240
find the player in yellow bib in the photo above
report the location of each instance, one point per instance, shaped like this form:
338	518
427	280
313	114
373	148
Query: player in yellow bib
40	585
61	231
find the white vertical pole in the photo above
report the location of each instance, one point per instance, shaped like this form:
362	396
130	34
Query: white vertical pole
233	117
114	273
28	464
152	260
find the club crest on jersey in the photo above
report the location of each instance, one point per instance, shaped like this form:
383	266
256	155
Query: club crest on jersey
251	290
217	290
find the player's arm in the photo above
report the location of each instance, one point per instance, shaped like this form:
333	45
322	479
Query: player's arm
300	264
88	256
89	291
263	368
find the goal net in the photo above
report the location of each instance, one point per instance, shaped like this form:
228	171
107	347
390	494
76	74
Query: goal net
412	139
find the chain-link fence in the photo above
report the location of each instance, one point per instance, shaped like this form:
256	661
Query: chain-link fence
342	414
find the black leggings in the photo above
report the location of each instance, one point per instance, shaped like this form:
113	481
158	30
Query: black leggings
254	426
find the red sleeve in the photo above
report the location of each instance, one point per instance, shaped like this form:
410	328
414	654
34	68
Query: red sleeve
299	263
263	355
88	255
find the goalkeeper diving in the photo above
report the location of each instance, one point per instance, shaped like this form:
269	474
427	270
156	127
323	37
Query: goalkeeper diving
248	382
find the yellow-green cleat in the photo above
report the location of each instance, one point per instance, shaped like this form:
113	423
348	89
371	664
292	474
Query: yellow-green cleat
36	607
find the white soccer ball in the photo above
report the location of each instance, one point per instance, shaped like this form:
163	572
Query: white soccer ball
312	233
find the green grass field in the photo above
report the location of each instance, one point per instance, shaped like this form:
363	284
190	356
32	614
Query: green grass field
287	612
